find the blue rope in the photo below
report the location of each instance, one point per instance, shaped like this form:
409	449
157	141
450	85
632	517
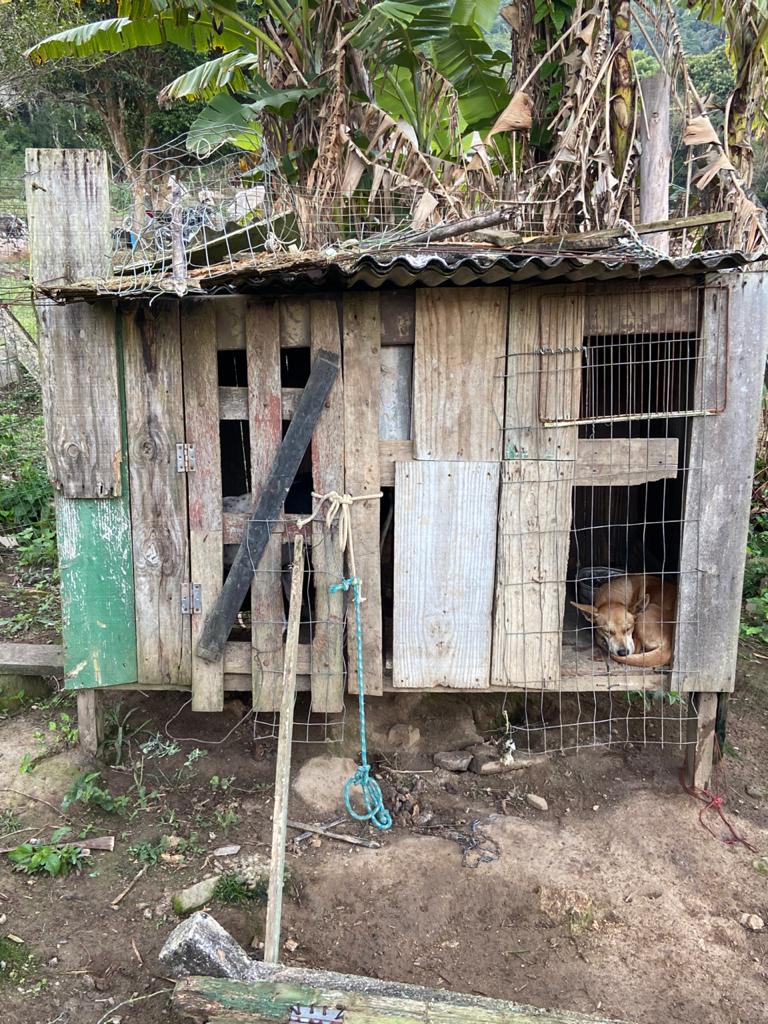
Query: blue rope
375	811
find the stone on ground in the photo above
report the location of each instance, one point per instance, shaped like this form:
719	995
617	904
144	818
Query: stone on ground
537	802
195	896
320	782
453	760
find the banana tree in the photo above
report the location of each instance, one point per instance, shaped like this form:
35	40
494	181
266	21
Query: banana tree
746	27
317	82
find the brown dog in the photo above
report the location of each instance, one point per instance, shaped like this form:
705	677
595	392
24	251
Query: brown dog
634	619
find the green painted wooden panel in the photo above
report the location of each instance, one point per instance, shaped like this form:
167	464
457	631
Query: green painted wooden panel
96	567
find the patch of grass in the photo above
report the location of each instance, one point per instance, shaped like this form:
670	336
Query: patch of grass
15	961
8	821
147	852
232	889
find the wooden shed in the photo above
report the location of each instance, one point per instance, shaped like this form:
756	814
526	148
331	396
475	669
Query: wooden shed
510	424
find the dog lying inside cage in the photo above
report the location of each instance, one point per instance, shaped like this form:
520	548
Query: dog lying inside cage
634	617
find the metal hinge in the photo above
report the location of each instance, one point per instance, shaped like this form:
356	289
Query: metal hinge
185	458
314	1014
191	598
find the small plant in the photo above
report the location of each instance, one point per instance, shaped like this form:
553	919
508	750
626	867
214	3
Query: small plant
158	746
195	755
54	859
232	889
226	818
221	782
148	852
87	790
8	821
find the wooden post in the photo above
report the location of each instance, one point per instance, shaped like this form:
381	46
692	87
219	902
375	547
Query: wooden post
731	362
90	721
656	155
84	411
699	754
356	1000
283	769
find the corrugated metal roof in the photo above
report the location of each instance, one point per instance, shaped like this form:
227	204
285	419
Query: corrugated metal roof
437	265
432	267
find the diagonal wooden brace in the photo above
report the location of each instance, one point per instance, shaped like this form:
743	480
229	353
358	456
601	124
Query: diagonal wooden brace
269	506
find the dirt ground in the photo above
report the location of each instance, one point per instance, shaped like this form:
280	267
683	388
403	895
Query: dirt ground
616	900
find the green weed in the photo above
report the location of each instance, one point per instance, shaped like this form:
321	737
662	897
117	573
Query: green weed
226	818
232	889
87	790
54	859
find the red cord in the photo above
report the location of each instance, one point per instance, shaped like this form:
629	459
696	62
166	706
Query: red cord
715	803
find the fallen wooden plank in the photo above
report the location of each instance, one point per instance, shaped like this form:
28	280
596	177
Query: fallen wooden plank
31	659
356	1000
283	766
220	619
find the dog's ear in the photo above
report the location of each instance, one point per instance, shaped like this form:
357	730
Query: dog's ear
642	604
586	609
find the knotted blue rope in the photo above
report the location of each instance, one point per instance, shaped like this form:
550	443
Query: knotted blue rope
375	811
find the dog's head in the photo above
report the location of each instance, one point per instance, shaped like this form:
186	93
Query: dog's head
614	624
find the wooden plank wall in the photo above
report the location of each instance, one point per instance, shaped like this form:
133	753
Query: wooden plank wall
445	557
83	404
458	374
265	415
201	397
536	486
327	560
721	466
155	417
363	387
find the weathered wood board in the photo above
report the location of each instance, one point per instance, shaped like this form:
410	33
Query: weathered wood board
396	392
398	317
327	560
295	327
543	376
533	544
719	481
267	613
363	404
201	400
625	462
83	403
543	318
445	558
458	373
653	307
230	322
155	418
69	220
275	990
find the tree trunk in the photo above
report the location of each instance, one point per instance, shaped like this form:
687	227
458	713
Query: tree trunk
622	86
739	133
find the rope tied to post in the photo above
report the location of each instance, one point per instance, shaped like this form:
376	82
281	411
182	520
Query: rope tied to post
340	505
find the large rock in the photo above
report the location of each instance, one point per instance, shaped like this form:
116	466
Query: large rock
320	782
200	946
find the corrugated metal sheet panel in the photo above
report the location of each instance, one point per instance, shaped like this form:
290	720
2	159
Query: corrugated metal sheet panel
432	268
